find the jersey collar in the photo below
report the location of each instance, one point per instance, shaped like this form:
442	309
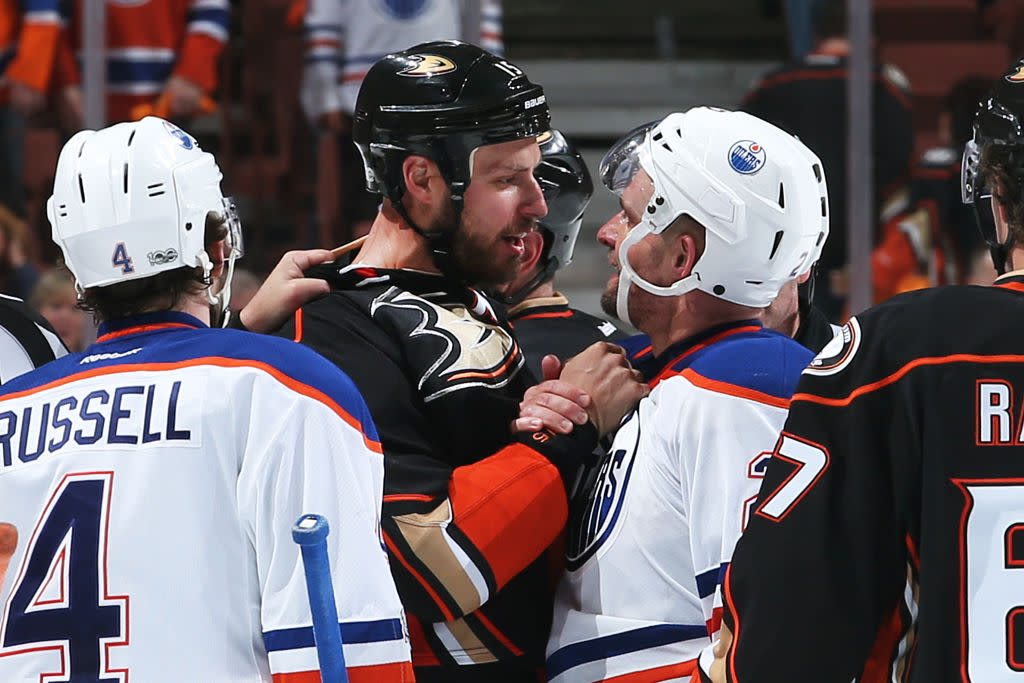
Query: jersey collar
146	322
683	352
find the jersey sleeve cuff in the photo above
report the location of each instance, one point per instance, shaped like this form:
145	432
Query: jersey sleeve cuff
567	452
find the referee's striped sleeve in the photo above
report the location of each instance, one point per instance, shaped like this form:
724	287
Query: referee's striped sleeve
26	339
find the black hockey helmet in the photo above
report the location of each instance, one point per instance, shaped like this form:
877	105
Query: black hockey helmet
441	100
565	180
999	121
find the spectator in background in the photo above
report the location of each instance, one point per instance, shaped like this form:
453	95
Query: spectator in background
935	239
808	99
543	322
56	299
18	274
800	22
344	39
161	57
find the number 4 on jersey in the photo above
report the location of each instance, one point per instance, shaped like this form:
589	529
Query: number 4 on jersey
59	600
809	461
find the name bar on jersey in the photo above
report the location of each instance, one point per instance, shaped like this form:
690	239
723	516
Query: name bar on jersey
125	415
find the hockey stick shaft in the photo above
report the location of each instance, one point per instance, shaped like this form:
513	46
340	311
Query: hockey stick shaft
310	532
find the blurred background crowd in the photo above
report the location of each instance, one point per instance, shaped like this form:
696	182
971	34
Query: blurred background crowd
268	86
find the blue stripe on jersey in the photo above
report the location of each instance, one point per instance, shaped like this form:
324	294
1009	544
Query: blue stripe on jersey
708	581
213	15
765	361
40	6
190	339
121	70
333	28
313	59
352	632
570	656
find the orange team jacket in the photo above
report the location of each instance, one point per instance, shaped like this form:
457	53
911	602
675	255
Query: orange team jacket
147	41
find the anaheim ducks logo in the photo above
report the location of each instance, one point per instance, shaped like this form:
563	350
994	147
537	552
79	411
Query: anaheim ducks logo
456	349
544	137
428	65
1017	77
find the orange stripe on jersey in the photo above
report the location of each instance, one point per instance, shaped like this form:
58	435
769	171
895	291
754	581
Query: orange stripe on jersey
733	389
395	672
486	375
731	604
1013	285
421	652
669	372
393	549
661	673
140	328
899	374
298	325
397	497
511	506
878	667
284	379
912	549
715	622
497	634
552	314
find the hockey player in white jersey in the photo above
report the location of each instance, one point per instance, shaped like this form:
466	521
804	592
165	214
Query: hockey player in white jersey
154	478
719	210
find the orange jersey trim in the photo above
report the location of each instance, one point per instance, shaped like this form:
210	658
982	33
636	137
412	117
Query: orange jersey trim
198	59
514	494
733	389
830	74
298	325
1015	286
899	374
395	672
284	379
497	634
398	497
142	328
661	673
553	314
486	375
669	372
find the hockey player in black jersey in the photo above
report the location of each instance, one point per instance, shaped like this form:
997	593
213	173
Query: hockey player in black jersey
447	133
543	321
887	542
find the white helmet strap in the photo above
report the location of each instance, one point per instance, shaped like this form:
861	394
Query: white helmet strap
628	276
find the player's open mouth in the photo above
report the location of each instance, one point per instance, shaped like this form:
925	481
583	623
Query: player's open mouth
516	241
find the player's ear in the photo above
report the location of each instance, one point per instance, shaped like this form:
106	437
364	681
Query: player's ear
418	172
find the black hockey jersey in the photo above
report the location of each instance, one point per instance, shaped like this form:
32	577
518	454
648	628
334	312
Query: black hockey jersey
887	542
547	325
468	511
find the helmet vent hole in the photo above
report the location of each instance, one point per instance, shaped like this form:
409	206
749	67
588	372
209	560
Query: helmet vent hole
782	196
131	137
754	282
156	189
824	207
775	247
81	188
821	236
817	172
62	210
719	290
126	175
188	226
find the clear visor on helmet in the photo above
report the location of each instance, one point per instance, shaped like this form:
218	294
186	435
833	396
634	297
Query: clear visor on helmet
622	161
233	240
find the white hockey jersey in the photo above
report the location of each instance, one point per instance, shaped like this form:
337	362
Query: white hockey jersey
652	531
154	480
344	38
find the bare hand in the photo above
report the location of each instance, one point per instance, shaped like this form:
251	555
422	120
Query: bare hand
597	385
25	100
285	290
183	97
604	373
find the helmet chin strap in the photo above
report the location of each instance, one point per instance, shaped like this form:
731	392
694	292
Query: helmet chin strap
628	276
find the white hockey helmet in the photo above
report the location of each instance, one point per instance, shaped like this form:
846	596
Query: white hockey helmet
131	200
759	193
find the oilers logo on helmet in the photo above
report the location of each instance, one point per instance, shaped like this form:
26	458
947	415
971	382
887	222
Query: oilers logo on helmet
429	65
747	157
